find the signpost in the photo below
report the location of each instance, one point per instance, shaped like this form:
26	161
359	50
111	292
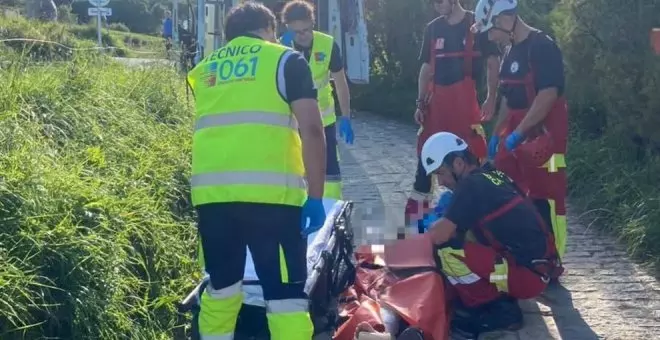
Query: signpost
98	10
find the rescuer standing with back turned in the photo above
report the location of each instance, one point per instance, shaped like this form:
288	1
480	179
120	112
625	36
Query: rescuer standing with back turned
325	60
452	59
255	101
531	134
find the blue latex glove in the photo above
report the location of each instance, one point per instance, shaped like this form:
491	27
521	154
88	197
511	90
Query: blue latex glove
439	210
513	140
313	216
345	129
443	202
287	38
492	146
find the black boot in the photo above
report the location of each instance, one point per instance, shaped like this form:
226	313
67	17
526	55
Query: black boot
411	333
501	314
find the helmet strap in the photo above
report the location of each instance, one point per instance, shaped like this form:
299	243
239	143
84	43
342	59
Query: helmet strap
513	31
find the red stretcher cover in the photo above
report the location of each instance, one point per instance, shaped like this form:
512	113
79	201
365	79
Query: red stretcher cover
401	277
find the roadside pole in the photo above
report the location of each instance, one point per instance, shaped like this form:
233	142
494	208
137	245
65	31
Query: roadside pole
98	10
98	28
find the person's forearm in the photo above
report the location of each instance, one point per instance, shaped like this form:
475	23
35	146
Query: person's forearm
541	105
502	114
423	80
493	75
313	140
343	95
442	231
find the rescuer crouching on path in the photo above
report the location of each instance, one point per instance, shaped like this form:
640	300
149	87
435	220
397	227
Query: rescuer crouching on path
255	101
492	244
325	61
453	59
530	138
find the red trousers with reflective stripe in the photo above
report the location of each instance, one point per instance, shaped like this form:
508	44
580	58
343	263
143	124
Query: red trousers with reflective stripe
480	259
455	109
539	182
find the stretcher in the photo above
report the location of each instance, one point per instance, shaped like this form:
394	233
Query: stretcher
330	271
398	291
396	288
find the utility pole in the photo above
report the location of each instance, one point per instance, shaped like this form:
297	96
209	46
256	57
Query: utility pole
201	29
175	21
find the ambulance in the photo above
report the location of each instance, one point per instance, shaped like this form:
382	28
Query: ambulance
343	19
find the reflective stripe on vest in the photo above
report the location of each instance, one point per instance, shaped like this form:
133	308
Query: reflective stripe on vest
319	63
247	178
245	150
246	117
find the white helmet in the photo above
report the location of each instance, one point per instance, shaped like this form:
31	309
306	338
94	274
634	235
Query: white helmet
437	147
486	10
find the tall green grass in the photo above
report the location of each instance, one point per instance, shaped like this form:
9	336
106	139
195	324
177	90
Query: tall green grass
96	232
618	191
41	35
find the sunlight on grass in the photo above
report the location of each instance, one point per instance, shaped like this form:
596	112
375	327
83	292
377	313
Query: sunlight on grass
96	236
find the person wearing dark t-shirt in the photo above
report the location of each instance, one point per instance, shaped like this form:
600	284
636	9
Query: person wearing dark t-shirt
325	61
453	62
258	173
529	140
493	246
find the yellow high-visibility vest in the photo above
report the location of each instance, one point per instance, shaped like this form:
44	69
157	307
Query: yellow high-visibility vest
319	64
246	145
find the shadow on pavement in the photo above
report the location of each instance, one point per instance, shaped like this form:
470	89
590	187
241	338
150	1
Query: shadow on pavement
568	319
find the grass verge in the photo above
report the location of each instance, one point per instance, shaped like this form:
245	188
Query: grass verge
96	237
124	44
618	192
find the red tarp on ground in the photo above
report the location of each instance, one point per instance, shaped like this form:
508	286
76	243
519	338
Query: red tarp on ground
417	296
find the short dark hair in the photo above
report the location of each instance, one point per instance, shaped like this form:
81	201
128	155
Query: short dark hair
248	17
467	156
298	10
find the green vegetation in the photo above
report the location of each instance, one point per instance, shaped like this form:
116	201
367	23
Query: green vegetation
142	16
125	44
96	232
613	81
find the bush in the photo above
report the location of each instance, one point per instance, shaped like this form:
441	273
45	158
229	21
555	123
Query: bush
56	41
119	26
96	236
612	81
64	15
40	41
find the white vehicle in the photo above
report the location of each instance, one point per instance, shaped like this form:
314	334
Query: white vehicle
343	19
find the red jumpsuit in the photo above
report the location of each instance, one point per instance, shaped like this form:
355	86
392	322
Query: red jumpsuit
453	108
546	184
511	252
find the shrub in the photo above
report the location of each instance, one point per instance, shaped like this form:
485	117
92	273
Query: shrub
119	26
40	41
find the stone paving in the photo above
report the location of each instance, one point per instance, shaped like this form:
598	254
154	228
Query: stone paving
603	294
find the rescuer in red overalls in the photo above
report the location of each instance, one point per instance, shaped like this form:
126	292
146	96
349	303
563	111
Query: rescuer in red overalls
530	137
493	246
452	58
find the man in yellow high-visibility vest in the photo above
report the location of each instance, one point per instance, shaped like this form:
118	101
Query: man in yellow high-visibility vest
258	142
325	61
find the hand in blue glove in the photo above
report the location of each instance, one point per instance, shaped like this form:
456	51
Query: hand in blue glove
345	129
513	140
313	216
443	202
492	146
